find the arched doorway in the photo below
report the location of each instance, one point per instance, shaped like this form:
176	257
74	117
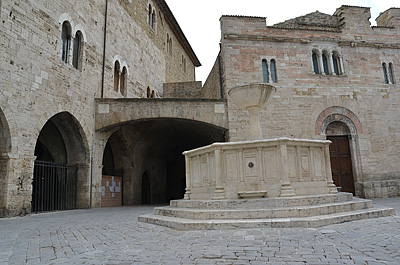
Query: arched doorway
340	156
61	166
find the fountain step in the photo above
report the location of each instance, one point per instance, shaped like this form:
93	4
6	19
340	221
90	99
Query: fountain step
263	203
257	213
305	222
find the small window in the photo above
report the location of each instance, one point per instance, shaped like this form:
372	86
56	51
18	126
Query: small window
148	92
116	76
152	94
391	77
65	41
273	71
385	75
265	71
122	82
77	50
315	62
183	64
150	15
336	66
325	63
153	19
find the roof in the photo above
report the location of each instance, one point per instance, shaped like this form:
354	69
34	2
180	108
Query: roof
170	19
314	20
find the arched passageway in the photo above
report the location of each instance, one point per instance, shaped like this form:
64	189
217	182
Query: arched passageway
149	155
5	148
61	166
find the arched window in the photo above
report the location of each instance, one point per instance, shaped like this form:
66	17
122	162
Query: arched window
77	50
122	82
148	92
315	62
170	46
183	64
336	63
385	76
117	70
152	94
325	62
153	19
65	41
167	43
391	77
150	15
265	71
273	71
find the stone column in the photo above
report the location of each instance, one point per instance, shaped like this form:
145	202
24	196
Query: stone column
341	70
321	65
331	186
332	69
188	178
219	192
286	188
254	122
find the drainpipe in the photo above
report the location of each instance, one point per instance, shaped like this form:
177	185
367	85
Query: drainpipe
104	50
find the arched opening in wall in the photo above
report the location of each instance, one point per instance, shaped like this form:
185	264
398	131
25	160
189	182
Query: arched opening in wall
325	62
61	169
117	70
77	50
114	166
265	72
315	55
65	41
340	155
5	149
154	169
123	81
148	92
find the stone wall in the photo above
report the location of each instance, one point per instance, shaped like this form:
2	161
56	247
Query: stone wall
36	84
302	95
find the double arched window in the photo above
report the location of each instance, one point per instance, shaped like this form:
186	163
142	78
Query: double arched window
388	74
327	63
269	72
120	77
71	46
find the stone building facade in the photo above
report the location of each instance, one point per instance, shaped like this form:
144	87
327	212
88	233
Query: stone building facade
57	57
337	78
107	88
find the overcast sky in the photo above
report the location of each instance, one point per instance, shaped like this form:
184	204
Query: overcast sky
199	20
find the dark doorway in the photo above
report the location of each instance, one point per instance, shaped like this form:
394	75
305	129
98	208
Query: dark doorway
146	199
342	172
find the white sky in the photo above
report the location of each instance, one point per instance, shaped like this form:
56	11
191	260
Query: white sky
199	20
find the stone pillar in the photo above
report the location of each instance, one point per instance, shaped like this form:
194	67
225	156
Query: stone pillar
321	65
254	121
286	188
341	70
331	186
332	69
219	192
188	179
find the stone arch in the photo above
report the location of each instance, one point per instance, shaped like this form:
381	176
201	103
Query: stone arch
71	148
343	116
5	149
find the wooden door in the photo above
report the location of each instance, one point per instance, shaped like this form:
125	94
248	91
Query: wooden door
342	172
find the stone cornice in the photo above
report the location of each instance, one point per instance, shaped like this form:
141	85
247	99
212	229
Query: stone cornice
310	40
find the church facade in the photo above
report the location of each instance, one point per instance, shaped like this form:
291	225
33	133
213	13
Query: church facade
99	99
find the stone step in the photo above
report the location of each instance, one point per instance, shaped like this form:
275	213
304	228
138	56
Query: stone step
281	212
304	222
263	203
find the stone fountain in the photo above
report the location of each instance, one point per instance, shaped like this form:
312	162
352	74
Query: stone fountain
280	182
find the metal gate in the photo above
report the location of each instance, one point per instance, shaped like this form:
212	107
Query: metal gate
54	186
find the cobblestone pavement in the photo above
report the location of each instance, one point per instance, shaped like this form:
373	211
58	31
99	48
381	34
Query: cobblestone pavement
114	236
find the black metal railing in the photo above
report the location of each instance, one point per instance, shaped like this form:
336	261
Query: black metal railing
54	186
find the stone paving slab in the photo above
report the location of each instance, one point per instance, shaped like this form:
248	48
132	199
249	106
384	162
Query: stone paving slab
114	236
